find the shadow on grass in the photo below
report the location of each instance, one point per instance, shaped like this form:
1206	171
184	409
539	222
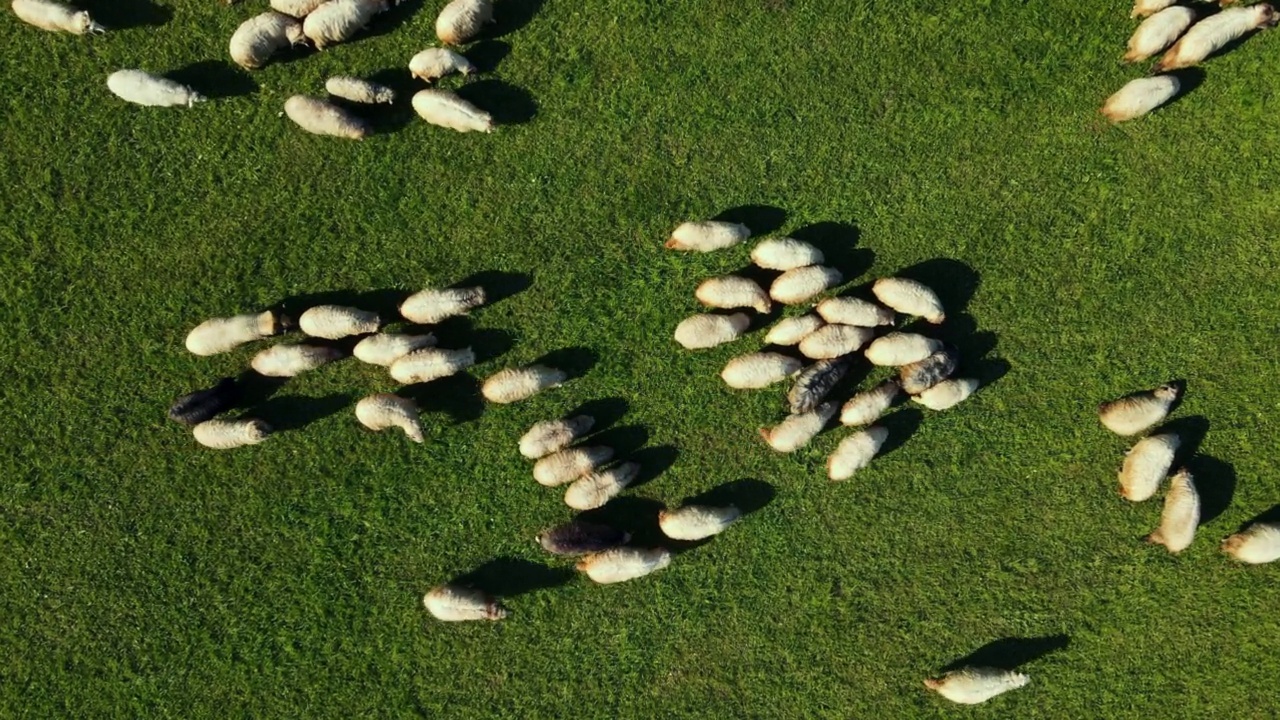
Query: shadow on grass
1011	653
1190	79
1270	515
954	282
215	79
486	55
748	495
508	577
387	22
838	241
295	412
510	16
1215	482
635	515
760	219
256	388
125	14
901	424
457	396
574	361
1191	431
653	462
498	284
505	103
605	411
624	440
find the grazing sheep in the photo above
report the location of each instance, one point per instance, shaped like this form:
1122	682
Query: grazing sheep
947	394
833	341
384	410
920	376
194	408
55	17
443	108
296	8
339	20
262	36
227	434
515	384
1142	8
1257	544
291	360
785	254
568	465
899	348
758	370
1146	465
867	407
321	117
624	563
434	63
427	364
433	306
797	430
452	603
385	348
854	311
973	685
551	436
1139	97
580	537
141	88
1214	33
909	298
461	20
697	522
1180	516
334	322
1132	414
790	331
357	90
803	284
595	489
855	452
815	382
222	334
707	331
731	291
707	235
1159	32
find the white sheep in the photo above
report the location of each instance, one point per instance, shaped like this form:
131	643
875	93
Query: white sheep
790	331
384	410
785	254
360	91
55	17
142	88
707	331
1214	33
261	36
1146	465
833	341
432	306
443	108
568	465
385	348
697	522
1180	516
227	434
453	603
973	685
291	360
855	452
910	297
339	20
595	489
854	311
434	63
334	322
797	430
1139	97
804	283
296	8
707	235
947	394
867	406
222	334
758	370
624	563
901	348
461	20
321	117
551	436
429	364
515	384
1159	32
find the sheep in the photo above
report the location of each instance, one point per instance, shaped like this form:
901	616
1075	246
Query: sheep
855	452
551	436
595	489
1214	33
1139	97
1146	465
201	405
434	63
697	522
385	348
898	348
700	332
706	236
142	88
833	341
427	364
461	20
909	297
334	322
433	306
453	603
56	17
797	430
731	291
790	331
357	90
785	254
580	537
228	434
515	384
1159	32
384	410
261	36
624	563
920	376
296	8
947	394
1257	544
321	117
973	685
219	335
1142	8
758	370
867	407
1180	516
443	108
291	360
566	466
854	311
815	382
339	20
802	284
1132	414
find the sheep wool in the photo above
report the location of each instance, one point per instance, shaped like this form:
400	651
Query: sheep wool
141	88
797	430
697	522
291	360
1159	32
595	489
707	331
899	348
321	117
434	63
1257	544
262	36
1132	414
624	563
1214	33
432	306
580	537
920	376
1146	465
429	364
227	434
855	452
815	382
1180	516
566	466
973	685
334	322
706	236
515	384
385	348
461	20
384	410
55	17
833	341
1139	97
909	298
443	108
339	20
453	603
551	436
759	370
296	8
867	407
854	311
731	291
201	405
785	254
357	90
790	331
947	394
222	334
803	284
1142	8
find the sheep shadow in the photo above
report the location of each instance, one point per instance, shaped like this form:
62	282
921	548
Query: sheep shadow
902	424
838	241
511	15
505	103
254	387
397	115
954	282
387	22
457	396
1190	79
1010	653
1180	384
635	515
960	331
1191	432
498	284
486	55
1215	482
748	495
215	79
125	14
653	462
605	411
624	440
384	302
574	361
509	577
760	219
295	412
1270	515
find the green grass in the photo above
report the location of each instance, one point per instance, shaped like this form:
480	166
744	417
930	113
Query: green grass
141	575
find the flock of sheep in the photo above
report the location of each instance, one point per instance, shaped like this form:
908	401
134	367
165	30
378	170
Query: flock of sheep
1194	31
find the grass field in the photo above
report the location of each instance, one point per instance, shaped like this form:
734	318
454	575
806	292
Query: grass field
143	576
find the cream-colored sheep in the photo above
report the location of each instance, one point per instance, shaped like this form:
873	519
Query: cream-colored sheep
384	410
1257	544
339	20
296	8
833	341
1181	514
758	370
899	348
1159	32
854	311
551	436
797	430
973	685
334	322
291	360
803	284
321	117
707	331
909	297
697	522
785	254
947	394
227	434
142	88
731	291
595	489
359	91
432	306
462	20
1132	414
443	108
427	364
1139	97
385	348
624	563
707	235
55	17
222	334
453	603
1214	33
866	407
515	384
790	331
855	452
1146	465
262	36
568	465
434	63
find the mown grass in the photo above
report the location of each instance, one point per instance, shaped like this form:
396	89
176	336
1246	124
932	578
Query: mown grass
143	576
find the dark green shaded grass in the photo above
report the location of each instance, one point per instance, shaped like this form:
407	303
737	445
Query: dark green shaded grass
141	575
